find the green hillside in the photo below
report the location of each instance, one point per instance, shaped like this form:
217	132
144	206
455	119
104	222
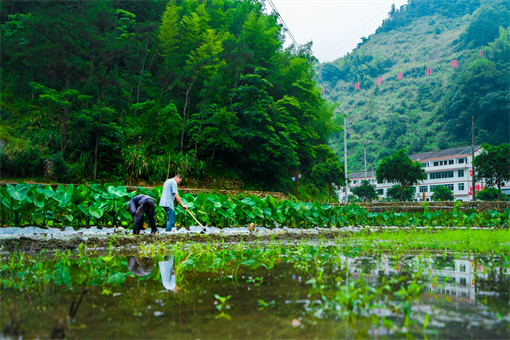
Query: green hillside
425	112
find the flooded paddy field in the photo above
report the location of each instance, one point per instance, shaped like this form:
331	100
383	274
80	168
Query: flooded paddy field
412	284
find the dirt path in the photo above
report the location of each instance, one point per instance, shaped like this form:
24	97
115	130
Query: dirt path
36	243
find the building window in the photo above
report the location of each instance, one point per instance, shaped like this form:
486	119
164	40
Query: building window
461	160
354	182
449	186
436	163
462	268
450	162
461	186
461	173
380	191
423	188
444	174
462	281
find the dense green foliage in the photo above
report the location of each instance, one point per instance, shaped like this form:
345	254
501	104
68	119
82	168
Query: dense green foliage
407	195
425	112
106	205
130	90
365	191
493	165
442	193
491	194
400	169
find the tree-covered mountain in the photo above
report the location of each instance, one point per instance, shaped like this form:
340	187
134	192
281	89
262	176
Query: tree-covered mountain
129	90
431	107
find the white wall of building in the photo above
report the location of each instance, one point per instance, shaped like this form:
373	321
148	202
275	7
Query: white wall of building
453	171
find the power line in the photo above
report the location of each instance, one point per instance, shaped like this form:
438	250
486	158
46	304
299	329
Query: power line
283	23
278	15
357	29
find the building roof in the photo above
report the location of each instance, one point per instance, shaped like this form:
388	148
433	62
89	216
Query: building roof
361	174
443	153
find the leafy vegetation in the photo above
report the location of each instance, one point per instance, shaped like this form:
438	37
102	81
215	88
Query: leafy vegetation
491	194
365	191
442	193
105	205
493	165
131	91
407	195
401	170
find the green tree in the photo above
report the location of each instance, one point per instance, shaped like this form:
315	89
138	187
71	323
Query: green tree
401	170
442	193
491	194
365	191
395	193
64	103
331	172
493	165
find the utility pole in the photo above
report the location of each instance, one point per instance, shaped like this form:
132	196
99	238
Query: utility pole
346	191
473	153
365	151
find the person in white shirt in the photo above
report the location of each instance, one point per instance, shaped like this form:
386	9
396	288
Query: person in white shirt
168	195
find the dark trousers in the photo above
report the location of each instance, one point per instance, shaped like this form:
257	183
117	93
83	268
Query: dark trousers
147	207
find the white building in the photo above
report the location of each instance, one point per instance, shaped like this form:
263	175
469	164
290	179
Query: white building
451	168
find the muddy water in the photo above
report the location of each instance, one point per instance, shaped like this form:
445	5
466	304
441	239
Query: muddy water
142	298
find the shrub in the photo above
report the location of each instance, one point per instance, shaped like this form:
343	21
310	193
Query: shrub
442	193
24	162
59	168
490	194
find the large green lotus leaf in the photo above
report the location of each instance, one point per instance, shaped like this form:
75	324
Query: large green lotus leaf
190	205
48	192
249	214
271	203
83	209
40	200
6	202
248	201
97	188
115	192
19	192
65	194
80	194
96	212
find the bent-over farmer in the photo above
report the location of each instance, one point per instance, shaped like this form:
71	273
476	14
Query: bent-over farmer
138	206
168	195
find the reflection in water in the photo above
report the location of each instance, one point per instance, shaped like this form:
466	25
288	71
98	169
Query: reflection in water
460	277
140	266
144	266
121	298
167	273
61	327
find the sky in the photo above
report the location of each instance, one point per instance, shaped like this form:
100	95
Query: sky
334	26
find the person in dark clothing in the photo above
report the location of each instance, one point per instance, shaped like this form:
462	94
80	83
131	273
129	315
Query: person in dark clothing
138	206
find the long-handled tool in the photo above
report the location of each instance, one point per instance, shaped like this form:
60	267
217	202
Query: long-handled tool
200	224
